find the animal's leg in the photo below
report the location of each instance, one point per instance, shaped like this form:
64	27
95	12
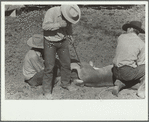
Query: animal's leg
78	82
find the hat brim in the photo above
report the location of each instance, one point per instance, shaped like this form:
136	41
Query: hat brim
30	43
64	12
125	26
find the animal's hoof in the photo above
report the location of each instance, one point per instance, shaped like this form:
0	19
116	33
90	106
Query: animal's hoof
78	82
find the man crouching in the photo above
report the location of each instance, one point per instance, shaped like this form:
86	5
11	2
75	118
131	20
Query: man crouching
33	67
129	60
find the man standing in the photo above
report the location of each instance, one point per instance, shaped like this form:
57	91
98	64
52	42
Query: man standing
57	26
129	60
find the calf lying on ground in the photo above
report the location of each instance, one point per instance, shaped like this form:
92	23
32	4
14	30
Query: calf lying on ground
95	77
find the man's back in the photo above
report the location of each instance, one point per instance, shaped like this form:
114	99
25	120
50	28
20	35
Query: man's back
33	63
130	49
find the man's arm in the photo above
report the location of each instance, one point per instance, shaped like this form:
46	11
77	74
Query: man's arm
37	63
48	23
69	30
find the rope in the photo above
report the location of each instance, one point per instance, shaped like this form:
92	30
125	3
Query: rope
72	44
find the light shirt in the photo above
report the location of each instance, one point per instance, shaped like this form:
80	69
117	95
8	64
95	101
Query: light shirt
33	63
51	26
130	51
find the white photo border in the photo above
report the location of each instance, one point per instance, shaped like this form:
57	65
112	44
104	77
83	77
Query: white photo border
75	110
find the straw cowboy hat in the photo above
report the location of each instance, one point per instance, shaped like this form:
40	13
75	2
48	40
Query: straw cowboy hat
36	41
134	24
71	13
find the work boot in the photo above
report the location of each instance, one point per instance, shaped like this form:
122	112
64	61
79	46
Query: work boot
141	90
118	86
69	88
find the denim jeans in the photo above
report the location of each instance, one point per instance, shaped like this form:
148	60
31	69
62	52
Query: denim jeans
50	50
129	75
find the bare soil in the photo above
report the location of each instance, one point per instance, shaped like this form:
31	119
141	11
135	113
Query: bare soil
95	39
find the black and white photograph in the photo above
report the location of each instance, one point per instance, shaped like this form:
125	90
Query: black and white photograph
84	58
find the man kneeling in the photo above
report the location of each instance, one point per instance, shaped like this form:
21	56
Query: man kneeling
129	61
33	67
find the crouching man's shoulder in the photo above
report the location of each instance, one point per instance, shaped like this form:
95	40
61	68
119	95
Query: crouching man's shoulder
32	54
122	35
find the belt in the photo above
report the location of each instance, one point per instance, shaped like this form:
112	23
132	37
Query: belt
57	41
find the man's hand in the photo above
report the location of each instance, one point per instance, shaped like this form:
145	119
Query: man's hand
71	40
63	23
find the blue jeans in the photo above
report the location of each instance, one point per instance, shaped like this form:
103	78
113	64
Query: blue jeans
50	50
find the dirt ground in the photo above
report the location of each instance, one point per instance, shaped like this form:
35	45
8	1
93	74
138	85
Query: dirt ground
95	39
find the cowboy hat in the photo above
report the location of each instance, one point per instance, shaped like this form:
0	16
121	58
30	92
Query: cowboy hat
134	24
71	13
36	41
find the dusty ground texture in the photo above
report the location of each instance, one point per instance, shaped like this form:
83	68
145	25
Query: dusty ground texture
95	39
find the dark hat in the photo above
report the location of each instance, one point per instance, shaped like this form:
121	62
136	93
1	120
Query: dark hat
134	24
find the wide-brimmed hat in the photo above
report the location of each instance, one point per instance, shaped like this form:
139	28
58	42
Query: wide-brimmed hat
36	41
71	13
134	24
